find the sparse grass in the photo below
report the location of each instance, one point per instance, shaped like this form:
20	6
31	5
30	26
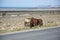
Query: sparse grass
20	29
50	25
26	28
18	22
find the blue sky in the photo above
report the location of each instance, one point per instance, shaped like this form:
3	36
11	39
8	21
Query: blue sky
29	3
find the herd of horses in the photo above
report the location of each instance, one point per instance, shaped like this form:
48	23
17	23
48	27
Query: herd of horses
31	22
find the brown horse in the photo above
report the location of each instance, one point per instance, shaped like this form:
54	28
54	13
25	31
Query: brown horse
36	22
33	22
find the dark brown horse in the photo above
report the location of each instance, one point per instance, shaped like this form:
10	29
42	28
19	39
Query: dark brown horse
36	22
33	22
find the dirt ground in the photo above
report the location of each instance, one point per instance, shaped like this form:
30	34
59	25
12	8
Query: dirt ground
16	22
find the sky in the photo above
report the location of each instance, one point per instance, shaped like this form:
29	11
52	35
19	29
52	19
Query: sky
29	3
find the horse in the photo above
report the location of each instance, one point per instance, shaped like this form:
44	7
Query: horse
36	22
33	22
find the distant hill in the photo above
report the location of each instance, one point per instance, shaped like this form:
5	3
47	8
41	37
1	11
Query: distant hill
43	7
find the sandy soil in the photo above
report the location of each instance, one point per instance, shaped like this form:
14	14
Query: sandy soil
16	22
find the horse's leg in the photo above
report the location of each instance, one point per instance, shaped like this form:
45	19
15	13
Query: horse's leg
31	25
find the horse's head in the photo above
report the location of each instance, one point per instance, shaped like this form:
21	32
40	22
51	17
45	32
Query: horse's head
27	19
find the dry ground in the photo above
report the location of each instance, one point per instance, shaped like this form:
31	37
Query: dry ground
16	22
